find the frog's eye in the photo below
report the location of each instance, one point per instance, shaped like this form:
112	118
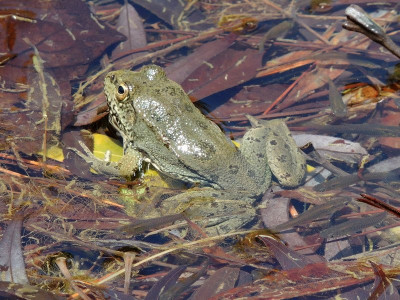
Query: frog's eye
122	92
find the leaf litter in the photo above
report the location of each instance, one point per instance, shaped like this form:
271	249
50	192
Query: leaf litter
79	232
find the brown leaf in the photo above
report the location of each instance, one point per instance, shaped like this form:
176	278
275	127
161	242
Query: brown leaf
170	11
222	280
383	287
129	24
310	280
287	258
67	42
165	283
228	69
93	112
251	100
13	291
185	66
63	36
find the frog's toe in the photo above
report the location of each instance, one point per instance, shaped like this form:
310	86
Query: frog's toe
253	121
100	166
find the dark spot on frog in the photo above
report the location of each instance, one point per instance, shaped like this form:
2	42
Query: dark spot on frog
260	155
251	173
233	169
276	134
167	144
202	125
188	107
222	194
155	116
214	177
171	91
252	138
207	148
282	158
273	142
214	205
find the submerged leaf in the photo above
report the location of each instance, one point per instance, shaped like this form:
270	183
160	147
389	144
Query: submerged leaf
171	11
316	212
164	283
383	287
14	291
222	280
182	68
331	147
228	69
287	258
177	289
338	107
12	264
352	226
129	24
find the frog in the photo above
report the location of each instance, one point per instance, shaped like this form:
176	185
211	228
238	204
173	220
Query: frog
160	125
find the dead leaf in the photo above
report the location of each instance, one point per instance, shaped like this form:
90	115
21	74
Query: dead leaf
332	147
228	69
222	280
12	264
129	24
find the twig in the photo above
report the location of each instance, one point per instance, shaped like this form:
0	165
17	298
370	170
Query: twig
379	204
359	21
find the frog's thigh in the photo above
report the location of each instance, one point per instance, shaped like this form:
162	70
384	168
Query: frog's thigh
253	149
216	211
285	159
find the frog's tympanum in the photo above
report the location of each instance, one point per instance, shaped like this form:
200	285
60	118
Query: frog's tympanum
159	124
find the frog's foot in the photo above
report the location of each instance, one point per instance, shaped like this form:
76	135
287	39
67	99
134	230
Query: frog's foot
100	166
271	143
254	122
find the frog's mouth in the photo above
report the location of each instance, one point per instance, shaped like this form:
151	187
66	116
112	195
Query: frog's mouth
113	120
121	117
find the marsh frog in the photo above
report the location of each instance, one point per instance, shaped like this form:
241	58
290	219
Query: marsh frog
159	124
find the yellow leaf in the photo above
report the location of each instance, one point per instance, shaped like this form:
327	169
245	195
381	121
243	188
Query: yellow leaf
103	144
54	152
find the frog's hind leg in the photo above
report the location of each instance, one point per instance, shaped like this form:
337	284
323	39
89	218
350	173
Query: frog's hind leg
282	156
253	150
285	159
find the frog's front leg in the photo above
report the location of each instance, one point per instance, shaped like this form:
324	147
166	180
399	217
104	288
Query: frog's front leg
269	146
129	164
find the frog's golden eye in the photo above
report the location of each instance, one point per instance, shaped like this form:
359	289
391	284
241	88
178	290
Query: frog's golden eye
122	92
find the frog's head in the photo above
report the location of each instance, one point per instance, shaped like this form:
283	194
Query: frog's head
119	87
123	88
